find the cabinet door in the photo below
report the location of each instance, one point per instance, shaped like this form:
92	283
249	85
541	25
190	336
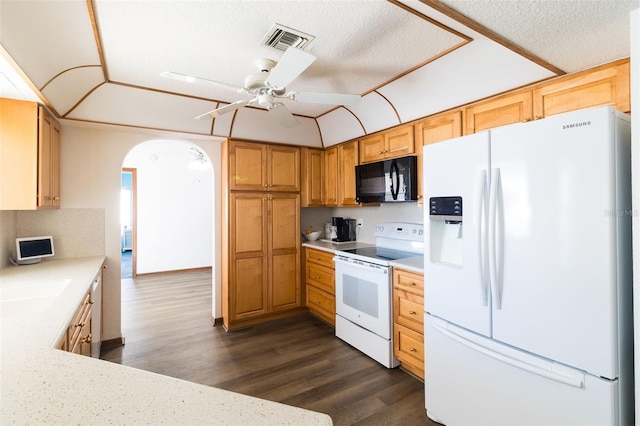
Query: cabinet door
435	129
508	109
248	269
18	154
48	160
312	177
54	175
348	160
330	197
45	131
248	166
284	255
606	86
372	148
399	142
283	168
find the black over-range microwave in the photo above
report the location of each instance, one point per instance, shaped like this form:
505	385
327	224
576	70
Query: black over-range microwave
387	181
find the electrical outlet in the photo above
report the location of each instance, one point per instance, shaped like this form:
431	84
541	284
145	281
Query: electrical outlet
358	222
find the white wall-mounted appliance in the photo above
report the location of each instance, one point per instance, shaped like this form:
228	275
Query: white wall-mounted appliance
364	304
528	274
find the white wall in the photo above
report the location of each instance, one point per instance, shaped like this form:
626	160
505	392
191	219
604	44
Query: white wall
174	207
92	159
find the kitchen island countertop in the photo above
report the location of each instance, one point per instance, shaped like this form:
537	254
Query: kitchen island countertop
44	385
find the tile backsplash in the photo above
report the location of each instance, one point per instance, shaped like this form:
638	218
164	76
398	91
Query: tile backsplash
316	217
76	232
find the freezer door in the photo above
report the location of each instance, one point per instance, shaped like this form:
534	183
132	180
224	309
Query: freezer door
472	380
456	279
553	183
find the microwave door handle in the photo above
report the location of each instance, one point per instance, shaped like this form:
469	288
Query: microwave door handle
395	179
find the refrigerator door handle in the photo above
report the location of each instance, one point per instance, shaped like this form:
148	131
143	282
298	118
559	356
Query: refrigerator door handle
492	240
481	219
577	382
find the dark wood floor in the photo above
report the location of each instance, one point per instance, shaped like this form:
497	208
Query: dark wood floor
296	361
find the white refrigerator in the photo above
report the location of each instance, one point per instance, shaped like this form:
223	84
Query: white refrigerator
528	274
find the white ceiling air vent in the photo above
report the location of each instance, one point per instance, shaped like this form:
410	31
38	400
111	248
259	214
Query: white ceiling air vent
281	38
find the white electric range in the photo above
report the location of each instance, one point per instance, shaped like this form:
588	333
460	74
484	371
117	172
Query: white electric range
364	303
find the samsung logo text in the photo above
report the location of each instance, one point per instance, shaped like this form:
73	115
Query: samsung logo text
574	125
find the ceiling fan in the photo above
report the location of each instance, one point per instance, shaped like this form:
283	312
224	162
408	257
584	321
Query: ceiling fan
269	84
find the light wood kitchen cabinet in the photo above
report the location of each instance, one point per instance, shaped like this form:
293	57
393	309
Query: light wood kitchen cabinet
340	175
29	156
330	197
320	284
311	192
604	85
263	274
347	162
435	129
263	167
507	109
395	143
408	320
78	336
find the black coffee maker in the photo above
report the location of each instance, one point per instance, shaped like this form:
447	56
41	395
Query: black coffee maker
345	229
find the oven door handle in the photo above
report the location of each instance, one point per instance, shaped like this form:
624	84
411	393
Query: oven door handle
370	267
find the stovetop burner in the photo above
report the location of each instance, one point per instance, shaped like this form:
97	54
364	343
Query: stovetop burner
394	241
380	253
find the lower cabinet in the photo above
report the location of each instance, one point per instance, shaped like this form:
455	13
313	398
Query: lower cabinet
408	320
320	284
262	278
78	336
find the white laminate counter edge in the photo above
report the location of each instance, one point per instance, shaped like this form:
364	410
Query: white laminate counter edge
334	247
43	385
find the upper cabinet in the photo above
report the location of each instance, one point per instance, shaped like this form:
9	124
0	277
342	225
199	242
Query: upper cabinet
391	144
29	156
263	167
340	163
508	109
604	85
436	129
312	177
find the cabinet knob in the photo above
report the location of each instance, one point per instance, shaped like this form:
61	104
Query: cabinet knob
412	284
412	350
412	312
317	277
91	302
86	339
56	198
80	324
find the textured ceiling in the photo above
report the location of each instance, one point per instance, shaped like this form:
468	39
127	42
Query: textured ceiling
99	61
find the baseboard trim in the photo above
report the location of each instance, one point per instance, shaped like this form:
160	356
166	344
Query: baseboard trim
215	321
112	343
150	274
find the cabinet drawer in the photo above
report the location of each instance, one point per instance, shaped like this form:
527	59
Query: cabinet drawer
321	276
409	281
408	310
321	304
408	347
80	323
320	257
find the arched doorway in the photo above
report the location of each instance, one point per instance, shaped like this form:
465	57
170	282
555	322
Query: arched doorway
172	224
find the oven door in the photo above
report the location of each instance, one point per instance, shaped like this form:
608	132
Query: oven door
363	295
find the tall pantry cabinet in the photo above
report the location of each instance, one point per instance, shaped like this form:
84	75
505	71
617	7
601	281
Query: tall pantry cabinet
261	233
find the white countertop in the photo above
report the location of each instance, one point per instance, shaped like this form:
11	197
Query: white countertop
414	264
43	385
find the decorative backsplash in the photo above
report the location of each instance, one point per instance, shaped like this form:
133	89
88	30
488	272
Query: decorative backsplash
76	232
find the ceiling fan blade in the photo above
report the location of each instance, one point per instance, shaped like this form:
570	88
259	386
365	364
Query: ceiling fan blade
198	80
225	109
282	114
325	98
291	65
